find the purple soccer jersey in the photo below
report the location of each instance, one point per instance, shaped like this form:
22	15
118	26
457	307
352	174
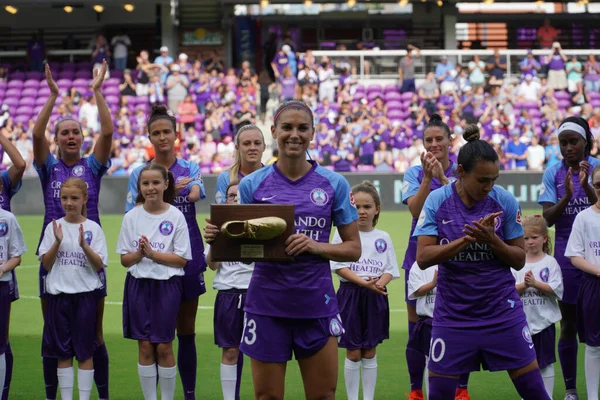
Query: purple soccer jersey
303	289
181	169
52	175
412	181
553	189
475	288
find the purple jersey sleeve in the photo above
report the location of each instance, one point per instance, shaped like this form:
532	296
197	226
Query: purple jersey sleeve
45	169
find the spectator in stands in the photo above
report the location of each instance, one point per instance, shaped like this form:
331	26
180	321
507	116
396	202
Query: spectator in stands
287	85
574	74
100	51
187	111
529	90
546	35
36	52
201	88
127	86
476	73
214	62
326	81
592	74
343	157
156	92
536	155
291	56
244	116
461	79
382	159
429	92
557	76
119	163
164	60
270	49
177	87
89	111
553	154
279	62
516	152
529	65
496	67
185	67
227	150
25	147
406	69
120	44
445	74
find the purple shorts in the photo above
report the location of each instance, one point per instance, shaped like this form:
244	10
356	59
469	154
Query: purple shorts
457	351
150	308
6	298
228	321
15	292
100	293
572	279
544	343
70	326
412	302
193	286
420	338
588	309
273	339
366	317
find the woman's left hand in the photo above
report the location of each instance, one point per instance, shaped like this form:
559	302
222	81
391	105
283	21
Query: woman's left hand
299	243
483	230
179	186
99	76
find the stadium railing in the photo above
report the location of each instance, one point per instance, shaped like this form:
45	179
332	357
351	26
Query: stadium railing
384	63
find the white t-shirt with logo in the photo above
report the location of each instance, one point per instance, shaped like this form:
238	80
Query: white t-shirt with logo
72	272
377	258
541	309
167	232
416	279
584	240
12	243
231	275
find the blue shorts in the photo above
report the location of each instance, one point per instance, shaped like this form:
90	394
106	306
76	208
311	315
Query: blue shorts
99	293
273	339
457	351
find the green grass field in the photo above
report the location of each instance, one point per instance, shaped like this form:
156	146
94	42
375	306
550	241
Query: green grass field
26	332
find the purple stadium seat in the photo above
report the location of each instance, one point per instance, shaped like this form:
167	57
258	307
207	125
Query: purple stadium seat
374	88
407	95
111	90
594	95
564	103
11	101
373	95
67	66
81	82
17	75
44	91
37	109
86	74
117	74
31	83
531	105
391	96
26	101
365	168
535	112
397	114
41	100
84	65
360	88
391	89
112	81
394	105
110	99
562	95
22	118
64	82
54	67
38	76
143	106
66	75
13	92
2	91
15	84
3	85
595	103
29	92
25	109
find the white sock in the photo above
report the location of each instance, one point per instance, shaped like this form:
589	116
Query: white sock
147	374
426	377
369	377
167	379
352	378
592	371
228	381
66	381
2	372
548	377
85	383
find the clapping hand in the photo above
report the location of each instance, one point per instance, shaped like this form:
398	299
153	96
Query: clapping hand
58	233
146	248
584	168
529	279
483	230
99	76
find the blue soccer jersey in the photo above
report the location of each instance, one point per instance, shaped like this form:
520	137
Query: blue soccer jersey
475	288
304	288
8	191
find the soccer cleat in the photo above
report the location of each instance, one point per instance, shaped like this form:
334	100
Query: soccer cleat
258	229
415	395
571	396
462	394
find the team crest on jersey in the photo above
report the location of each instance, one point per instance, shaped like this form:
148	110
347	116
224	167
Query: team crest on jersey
319	197
380	245
335	327
87	236
497	222
526	333
166	227
78	170
3	228
545	274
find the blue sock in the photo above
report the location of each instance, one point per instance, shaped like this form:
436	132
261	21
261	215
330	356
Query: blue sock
463	381
531	386
101	371
9	369
187	363
50	376
442	388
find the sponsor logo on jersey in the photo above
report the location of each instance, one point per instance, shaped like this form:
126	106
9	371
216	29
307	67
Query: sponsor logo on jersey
319	197
166	228
380	245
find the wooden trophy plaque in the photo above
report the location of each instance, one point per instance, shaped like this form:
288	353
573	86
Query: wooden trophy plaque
224	248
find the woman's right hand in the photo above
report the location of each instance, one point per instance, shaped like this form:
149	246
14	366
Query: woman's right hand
569	189
210	231
58	233
51	84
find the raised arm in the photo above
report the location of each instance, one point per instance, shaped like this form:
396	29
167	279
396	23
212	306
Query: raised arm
41	149
16	171
104	142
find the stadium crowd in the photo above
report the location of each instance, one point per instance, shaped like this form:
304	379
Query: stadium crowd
358	127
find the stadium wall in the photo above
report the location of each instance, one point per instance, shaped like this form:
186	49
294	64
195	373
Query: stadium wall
524	185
